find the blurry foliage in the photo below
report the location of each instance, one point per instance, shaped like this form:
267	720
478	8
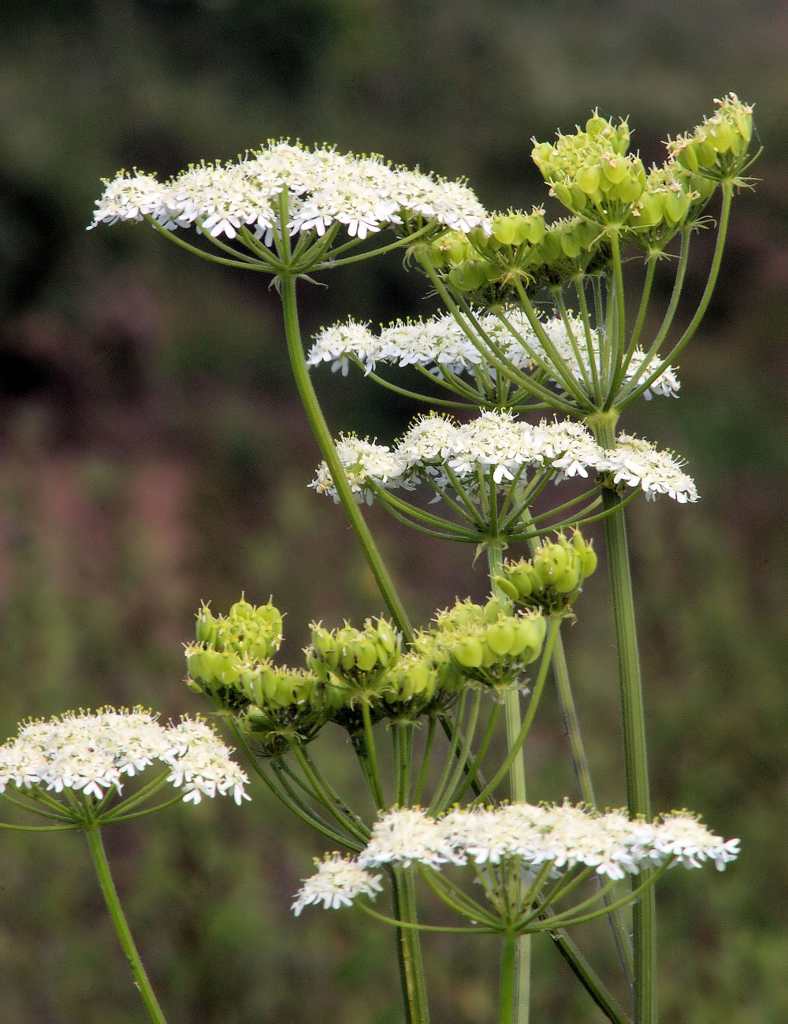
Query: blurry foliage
153	454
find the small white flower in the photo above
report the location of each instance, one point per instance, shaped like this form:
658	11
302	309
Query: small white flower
336	883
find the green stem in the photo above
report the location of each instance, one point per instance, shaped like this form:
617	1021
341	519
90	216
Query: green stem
336	808
417	396
640	319
420	927
478	759
703	305
507	1008
516	742
588	977
112	900
592	356
421	778
520	953
619	332
634	726
325	443
372	757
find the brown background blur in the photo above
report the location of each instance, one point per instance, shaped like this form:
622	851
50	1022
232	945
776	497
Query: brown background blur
153	454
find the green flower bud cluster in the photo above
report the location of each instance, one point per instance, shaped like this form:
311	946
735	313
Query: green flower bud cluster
551	581
285	706
229	650
415	685
672	196
591	172
522	247
255	632
352	664
475	261
483	643
230	663
719	147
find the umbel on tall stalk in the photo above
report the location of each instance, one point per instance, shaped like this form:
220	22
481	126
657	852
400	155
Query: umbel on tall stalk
292	212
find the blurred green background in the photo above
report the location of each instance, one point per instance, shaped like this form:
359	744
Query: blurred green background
153	454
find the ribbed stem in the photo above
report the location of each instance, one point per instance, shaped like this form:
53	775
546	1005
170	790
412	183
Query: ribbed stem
112	900
507	1007
328	450
634	727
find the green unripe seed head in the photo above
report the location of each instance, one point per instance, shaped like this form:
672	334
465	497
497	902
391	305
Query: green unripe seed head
469	653
568	580
500	637
587	179
366	656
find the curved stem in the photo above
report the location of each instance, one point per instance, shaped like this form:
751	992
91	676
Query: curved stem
195	250
417	396
39	828
420	927
325	442
112	900
408	509
369	254
457	900
703	305
290	800
32	808
643	889
325	796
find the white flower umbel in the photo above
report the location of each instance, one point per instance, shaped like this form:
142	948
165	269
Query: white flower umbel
636	462
363	461
336	883
564	835
363	194
93	752
559	841
440	342
500	444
